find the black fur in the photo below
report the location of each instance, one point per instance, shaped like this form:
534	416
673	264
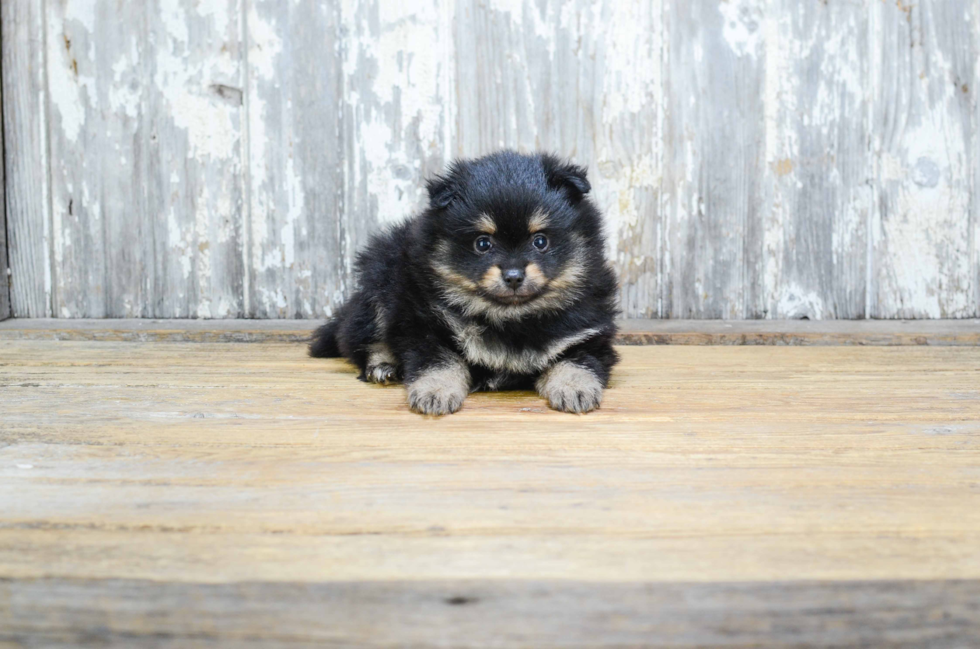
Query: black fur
425	290
324	343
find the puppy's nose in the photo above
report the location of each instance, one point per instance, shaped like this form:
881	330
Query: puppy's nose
514	277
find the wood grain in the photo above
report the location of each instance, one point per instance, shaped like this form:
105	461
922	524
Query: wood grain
562	613
714	162
925	146
756	475
26	157
295	220
818	164
146	130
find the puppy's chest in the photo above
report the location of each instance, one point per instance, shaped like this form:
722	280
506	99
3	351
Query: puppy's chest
483	346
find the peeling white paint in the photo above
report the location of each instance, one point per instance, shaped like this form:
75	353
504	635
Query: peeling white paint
185	81
795	302
632	59
399	68
180	243
65	84
742	23
264	45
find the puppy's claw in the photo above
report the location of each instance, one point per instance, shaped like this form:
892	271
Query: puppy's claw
382	373
570	388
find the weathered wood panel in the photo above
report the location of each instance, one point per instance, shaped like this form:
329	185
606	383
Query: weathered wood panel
924	60
974	92
755	158
145	136
26	156
818	165
714	159
535	76
349	108
294	223
397	116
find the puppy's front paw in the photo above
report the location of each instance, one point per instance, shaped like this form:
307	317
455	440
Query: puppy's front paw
440	390
383	373
570	388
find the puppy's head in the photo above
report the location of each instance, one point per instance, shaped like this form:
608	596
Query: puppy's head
512	235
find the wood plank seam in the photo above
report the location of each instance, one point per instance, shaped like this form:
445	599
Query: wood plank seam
5	308
955	333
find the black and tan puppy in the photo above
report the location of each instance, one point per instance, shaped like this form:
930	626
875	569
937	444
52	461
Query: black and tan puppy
500	284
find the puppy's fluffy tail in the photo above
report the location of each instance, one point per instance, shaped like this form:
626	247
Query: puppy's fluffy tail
324	343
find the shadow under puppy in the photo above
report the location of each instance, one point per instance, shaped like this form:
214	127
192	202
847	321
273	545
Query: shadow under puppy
500	284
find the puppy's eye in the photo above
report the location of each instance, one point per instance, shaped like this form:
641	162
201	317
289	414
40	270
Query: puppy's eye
540	242
483	245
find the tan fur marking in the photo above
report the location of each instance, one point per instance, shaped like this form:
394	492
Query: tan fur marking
570	388
491	279
453	277
441	266
485	224
534	276
538	221
570	277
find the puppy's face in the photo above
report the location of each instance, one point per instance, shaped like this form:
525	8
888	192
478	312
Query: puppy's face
515	237
511	254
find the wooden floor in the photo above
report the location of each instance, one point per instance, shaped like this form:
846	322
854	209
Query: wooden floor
193	494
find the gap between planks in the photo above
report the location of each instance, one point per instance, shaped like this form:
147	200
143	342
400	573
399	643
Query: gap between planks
941	333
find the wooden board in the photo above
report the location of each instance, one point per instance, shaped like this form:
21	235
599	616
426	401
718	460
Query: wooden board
558	613
295	222
818	165
714	160
26	157
4	263
175	492
145	135
925	148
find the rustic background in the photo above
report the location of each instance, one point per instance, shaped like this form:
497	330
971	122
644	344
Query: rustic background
755	158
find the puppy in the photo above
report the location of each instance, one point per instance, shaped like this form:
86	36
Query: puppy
500	284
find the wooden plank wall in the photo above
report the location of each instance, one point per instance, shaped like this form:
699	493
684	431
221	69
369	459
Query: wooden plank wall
755	158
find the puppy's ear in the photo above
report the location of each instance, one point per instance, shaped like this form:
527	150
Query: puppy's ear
444	189
567	176
441	192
